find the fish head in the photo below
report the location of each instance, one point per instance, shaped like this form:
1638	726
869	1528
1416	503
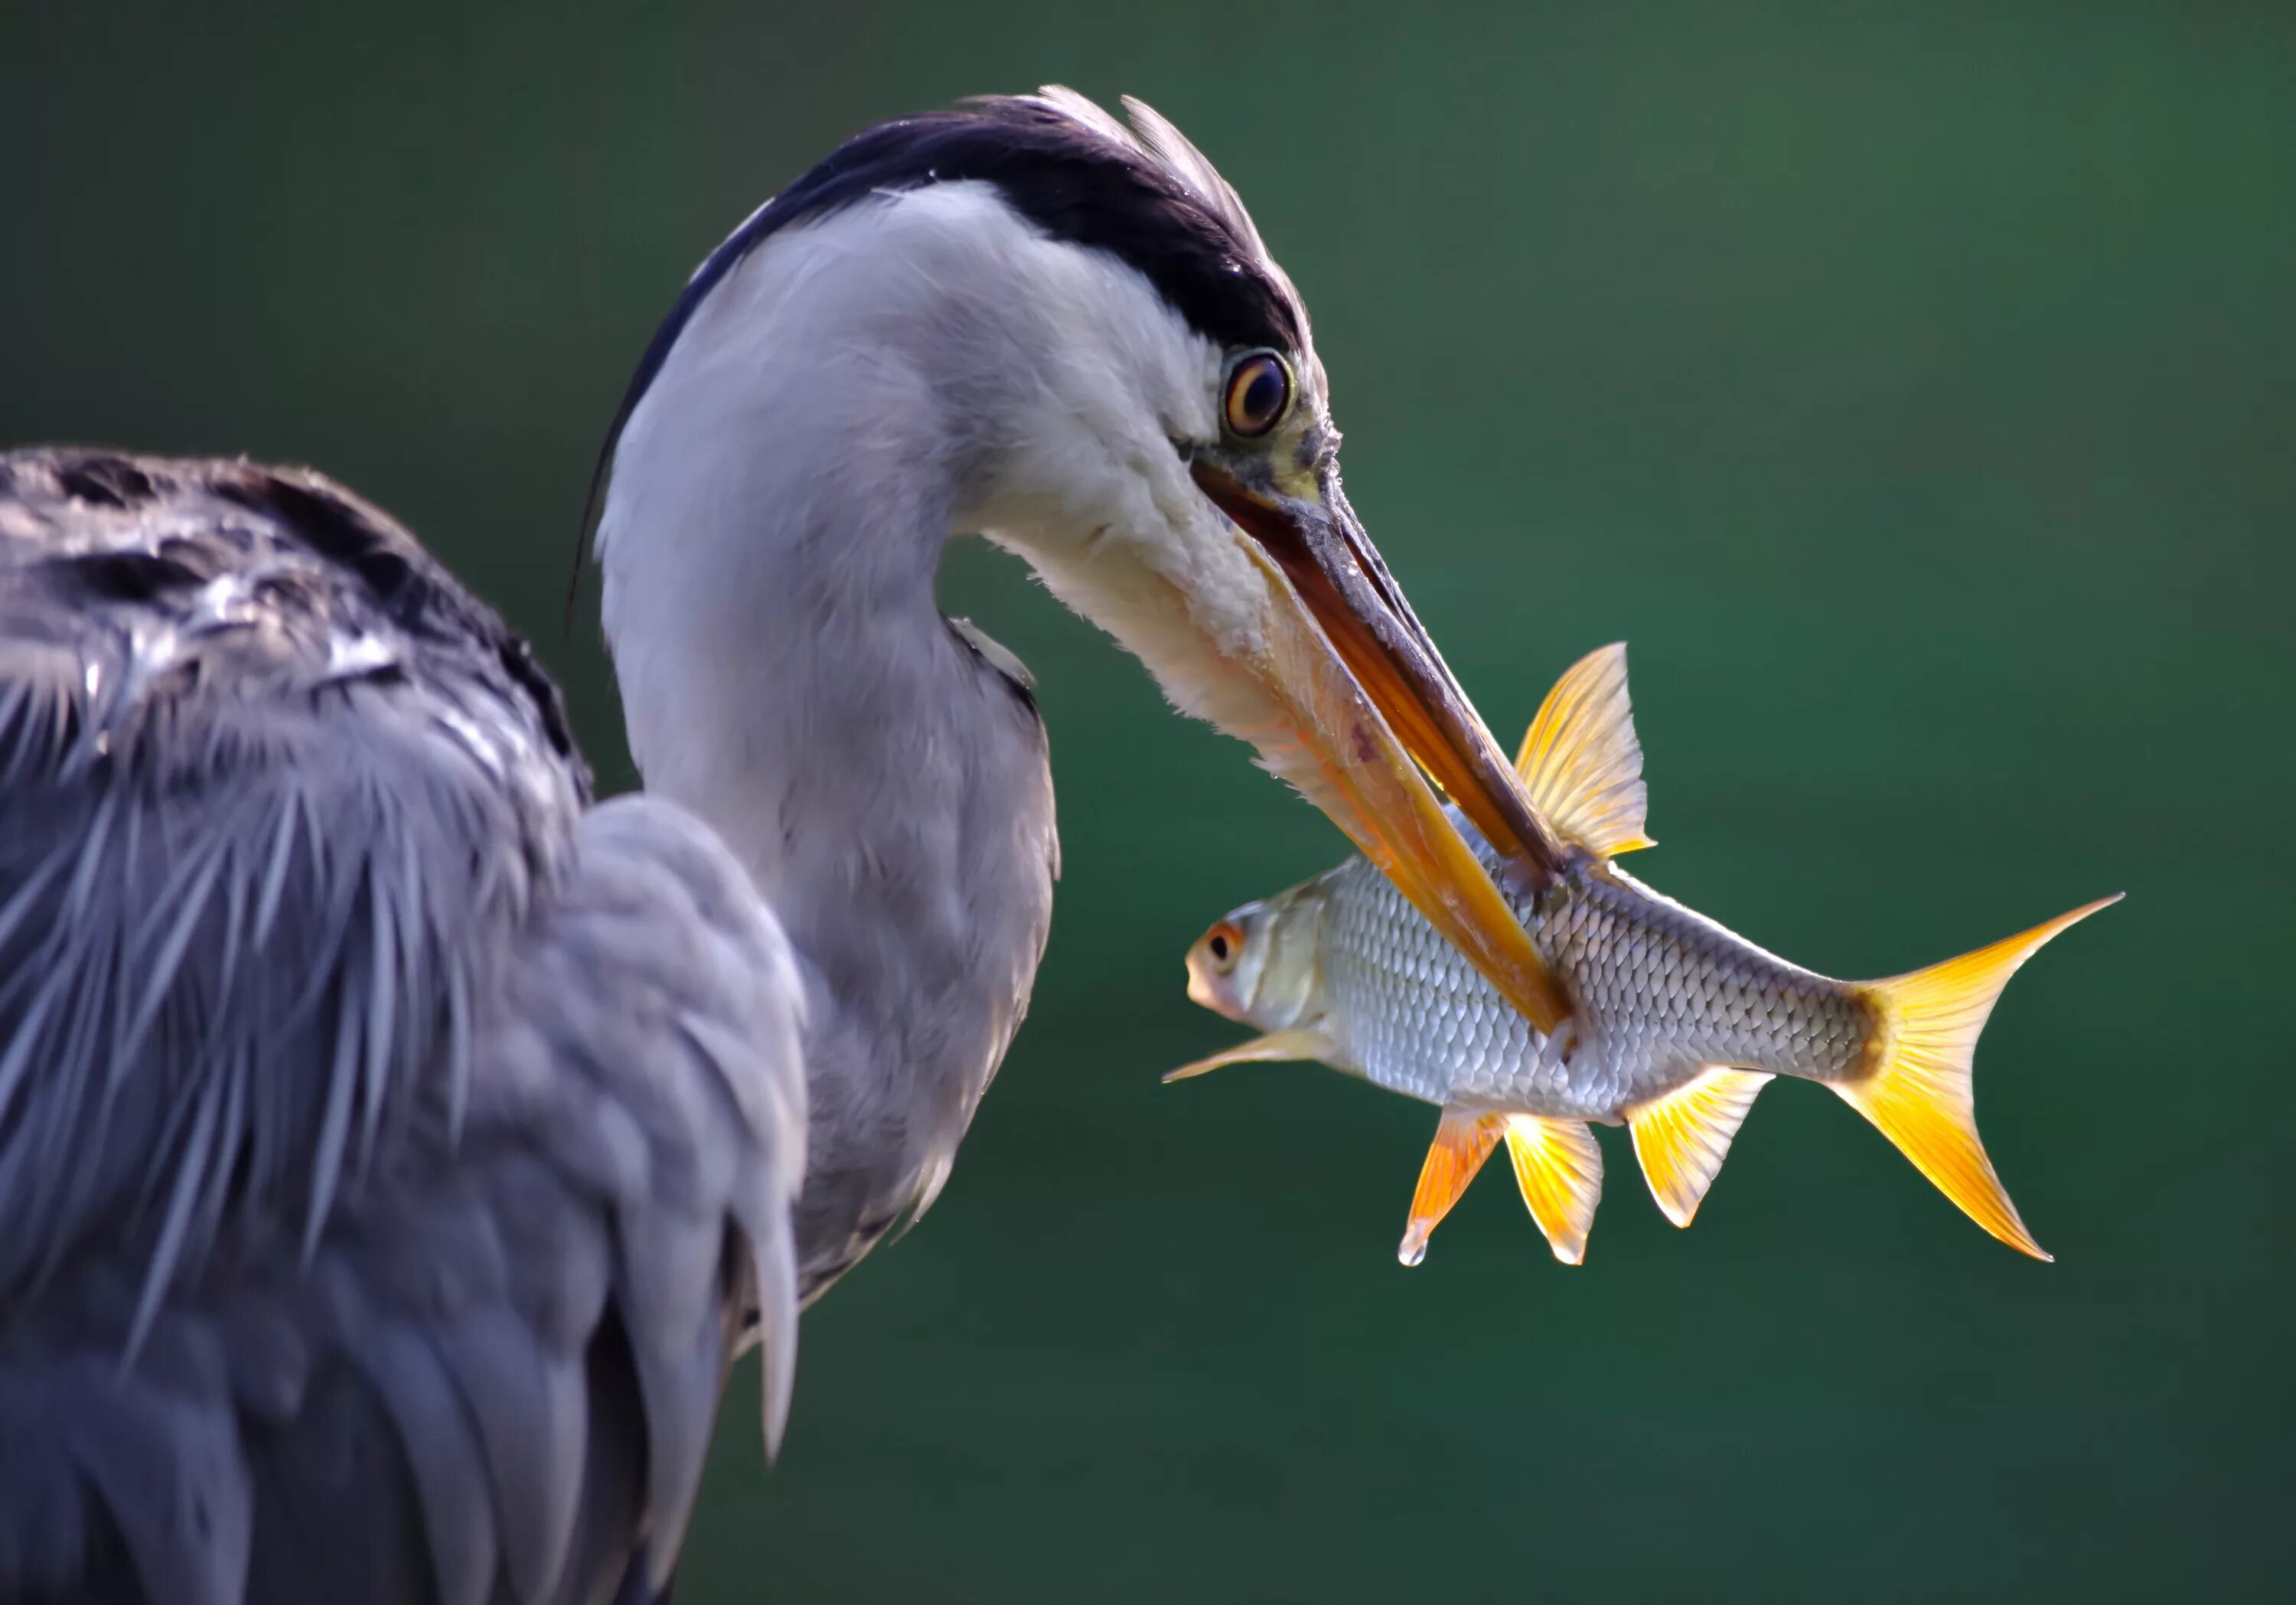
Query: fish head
1259	964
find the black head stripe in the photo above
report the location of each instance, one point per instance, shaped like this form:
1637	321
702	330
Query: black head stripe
1071	180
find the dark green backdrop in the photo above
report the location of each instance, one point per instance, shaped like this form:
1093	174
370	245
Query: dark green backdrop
1911	387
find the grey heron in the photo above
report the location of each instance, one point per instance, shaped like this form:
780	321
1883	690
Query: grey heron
395	1147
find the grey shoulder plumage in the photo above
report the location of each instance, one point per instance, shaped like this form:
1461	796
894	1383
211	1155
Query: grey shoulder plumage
383	1137
273	790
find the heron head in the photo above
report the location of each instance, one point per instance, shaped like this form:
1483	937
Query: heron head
1026	319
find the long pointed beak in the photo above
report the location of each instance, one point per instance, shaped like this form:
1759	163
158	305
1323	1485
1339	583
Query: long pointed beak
1373	703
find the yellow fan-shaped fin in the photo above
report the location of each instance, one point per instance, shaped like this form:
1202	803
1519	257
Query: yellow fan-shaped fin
1683	1138
1559	1166
1580	761
1464	1140
1918	1091
1275	1046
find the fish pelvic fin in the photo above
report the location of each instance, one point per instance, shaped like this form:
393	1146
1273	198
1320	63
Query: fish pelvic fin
1683	1138
1464	1140
1275	1046
1558	1165
1581	763
1918	1091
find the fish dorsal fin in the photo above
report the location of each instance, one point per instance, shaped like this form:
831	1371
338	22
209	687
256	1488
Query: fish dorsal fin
1580	761
1464	1140
1683	1138
1275	1046
1559	1166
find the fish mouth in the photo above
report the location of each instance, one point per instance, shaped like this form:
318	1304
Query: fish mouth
1371	705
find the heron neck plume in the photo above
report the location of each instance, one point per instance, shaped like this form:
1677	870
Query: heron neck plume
770	542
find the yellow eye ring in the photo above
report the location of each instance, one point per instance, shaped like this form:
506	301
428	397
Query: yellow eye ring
1224	943
1258	394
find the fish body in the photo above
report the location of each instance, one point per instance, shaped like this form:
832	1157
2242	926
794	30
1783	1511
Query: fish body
1663	994
1675	1022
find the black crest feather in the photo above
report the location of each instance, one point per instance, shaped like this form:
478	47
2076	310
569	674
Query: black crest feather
1144	195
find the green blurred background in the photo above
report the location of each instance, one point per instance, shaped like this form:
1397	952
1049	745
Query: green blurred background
1910	386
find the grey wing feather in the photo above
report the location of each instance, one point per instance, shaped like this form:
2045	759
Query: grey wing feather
390	1147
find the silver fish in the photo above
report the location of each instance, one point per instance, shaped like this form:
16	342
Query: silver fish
1675	1022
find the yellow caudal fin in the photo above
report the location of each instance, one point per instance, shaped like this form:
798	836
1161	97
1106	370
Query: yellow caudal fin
1683	1138
1464	1140
1918	1093
1581	764
1559	1166
1275	1046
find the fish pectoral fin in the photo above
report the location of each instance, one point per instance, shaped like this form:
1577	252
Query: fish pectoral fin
1683	1138
1916	1088
1558	1165
1275	1046
1581	762
1464	1140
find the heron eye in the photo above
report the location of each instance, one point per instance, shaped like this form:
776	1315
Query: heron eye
1225	943
1258	394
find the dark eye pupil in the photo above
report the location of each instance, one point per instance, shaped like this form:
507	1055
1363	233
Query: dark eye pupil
1263	395
1219	947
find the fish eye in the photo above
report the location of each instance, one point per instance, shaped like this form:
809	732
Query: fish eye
1258	394
1225	943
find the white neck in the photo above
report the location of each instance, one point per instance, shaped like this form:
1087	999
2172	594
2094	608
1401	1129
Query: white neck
780	502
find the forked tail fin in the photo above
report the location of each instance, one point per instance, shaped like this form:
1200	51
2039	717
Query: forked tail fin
1918	1093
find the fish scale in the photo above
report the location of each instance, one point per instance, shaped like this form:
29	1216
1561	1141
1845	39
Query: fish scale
1664	993
1661	993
